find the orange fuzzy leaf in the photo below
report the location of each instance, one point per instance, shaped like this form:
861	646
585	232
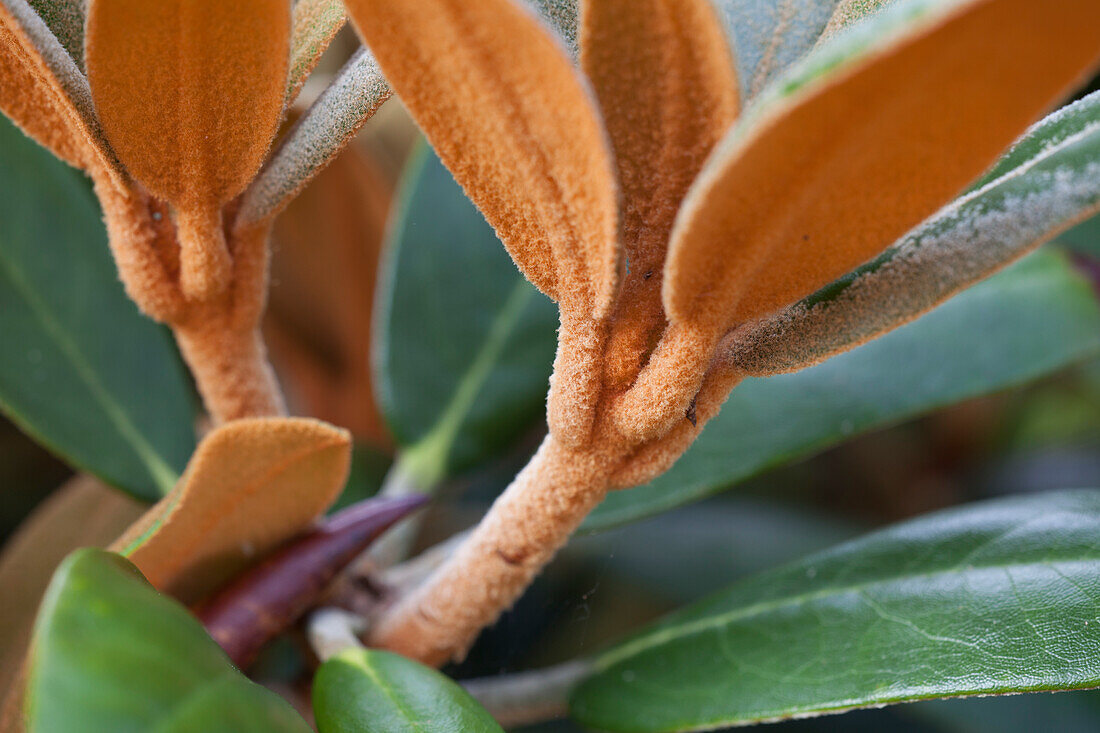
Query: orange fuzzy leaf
664	76
839	162
190	94
251	485
498	98
43	91
316	23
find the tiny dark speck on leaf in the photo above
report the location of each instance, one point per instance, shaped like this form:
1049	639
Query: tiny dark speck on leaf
805	237
647	275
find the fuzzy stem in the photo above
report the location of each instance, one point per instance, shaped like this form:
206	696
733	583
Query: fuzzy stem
531	697
520	534
663	392
231	370
205	265
221	342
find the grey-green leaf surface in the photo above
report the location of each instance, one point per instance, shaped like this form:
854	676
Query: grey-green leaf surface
369	691
464	345
768	36
992	598
111	654
561	17
327	126
66	19
1047	182
1034	318
81	371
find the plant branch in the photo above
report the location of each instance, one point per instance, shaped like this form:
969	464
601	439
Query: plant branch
332	630
519	535
218	335
532	697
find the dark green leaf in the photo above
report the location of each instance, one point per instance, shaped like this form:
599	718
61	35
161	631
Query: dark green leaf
82	371
1034	318
368	470
1085	237
464	344
368	691
1072	712
737	536
112	654
993	598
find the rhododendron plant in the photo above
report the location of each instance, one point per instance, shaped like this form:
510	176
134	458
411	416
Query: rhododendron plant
709	191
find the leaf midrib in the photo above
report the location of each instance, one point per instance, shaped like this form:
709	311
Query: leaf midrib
162	474
364	662
710	623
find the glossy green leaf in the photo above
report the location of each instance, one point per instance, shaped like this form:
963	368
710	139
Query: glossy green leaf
81	371
368	691
111	654
464	344
1034	318
992	598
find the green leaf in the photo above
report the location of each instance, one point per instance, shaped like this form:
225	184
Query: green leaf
993	598
111	654
82	371
1035	318
368	691
737	536
369	466
1068	711
464	344
1085	237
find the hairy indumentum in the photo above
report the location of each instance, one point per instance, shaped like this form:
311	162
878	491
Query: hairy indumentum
660	227
171	109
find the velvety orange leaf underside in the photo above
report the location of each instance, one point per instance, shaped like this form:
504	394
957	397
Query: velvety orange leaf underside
832	174
501	103
251	485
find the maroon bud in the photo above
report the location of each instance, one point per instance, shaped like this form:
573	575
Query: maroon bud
267	599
